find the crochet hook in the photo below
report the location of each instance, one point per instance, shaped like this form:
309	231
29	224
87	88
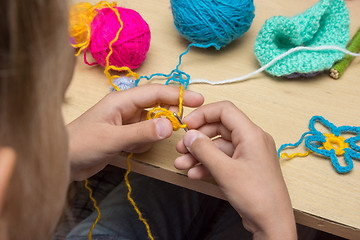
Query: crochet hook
180	121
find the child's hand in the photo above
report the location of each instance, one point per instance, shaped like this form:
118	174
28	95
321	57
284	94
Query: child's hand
115	124
244	163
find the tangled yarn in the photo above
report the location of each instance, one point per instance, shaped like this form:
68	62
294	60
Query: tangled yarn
325	23
80	18
217	21
134	40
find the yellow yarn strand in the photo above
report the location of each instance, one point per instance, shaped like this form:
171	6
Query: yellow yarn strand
153	113
181	101
132	200
285	155
158	111
109	67
95	206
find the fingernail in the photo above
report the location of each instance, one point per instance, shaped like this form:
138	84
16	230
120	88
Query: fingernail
189	138
162	128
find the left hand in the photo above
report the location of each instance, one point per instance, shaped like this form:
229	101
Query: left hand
242	159
115	124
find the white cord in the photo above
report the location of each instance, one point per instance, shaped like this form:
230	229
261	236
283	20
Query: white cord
296	49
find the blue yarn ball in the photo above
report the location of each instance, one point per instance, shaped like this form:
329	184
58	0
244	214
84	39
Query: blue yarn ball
212	21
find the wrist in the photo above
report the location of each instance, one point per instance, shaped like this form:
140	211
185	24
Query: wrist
285	230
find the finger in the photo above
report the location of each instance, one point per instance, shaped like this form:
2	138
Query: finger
170	107
139	148
214	129
174	109
206	152
148	95
166	106
181	148
143	115
211	130
199	172
142	133
226	113
185	162
225	146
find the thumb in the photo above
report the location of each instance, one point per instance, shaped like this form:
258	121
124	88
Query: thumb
145	132
205	151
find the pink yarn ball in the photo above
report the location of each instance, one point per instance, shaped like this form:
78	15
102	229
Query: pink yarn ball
132	45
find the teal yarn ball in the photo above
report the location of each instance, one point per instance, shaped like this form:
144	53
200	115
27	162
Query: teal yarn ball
212	21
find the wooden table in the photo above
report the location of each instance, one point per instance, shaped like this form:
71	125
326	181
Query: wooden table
322	198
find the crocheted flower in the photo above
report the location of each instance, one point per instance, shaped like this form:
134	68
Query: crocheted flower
331	145
325	23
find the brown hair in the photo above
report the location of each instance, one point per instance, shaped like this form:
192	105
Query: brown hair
35	62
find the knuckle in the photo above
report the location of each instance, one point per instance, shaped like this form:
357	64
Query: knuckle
258	135
264	137
270	139
228	104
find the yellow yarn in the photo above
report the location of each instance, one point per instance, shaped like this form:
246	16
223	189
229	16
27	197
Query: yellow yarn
181	101
339	141
95	206
80	18
158	111
331	139
109	67
128	196
285	155
132	200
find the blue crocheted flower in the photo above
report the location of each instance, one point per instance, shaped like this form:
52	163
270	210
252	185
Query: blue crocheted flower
330	145
325	23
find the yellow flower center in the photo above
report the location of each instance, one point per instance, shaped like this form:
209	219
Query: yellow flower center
336	143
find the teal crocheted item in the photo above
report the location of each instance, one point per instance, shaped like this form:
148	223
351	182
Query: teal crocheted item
325	23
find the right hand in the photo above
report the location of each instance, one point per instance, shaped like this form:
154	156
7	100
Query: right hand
244	163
